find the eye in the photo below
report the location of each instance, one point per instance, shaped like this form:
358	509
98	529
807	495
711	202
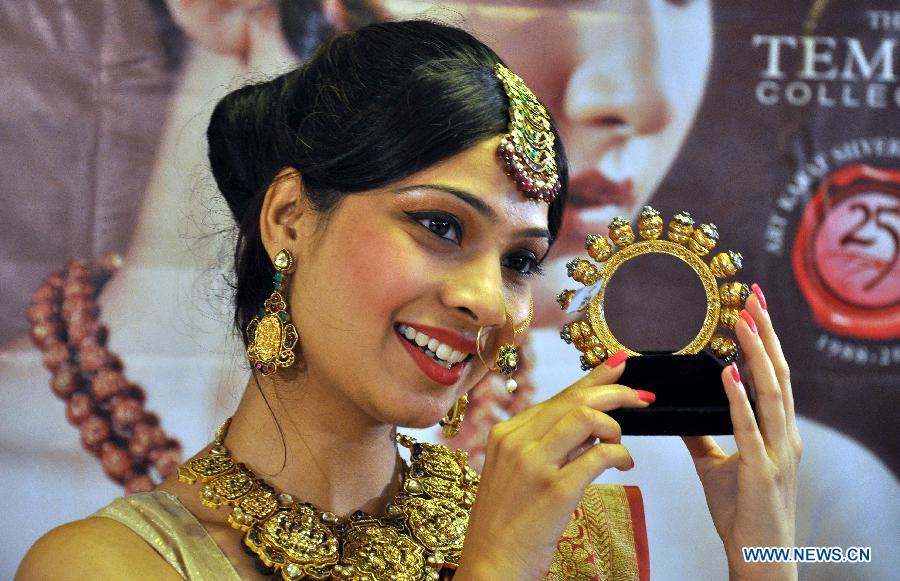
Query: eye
525	264
441	224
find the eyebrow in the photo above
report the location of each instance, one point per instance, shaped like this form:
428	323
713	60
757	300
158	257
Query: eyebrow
479	206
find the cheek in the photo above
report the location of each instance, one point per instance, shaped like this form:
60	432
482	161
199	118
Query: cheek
365	277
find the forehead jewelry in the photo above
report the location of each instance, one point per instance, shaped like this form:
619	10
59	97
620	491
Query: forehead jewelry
508	357
271	337
527	149
591	334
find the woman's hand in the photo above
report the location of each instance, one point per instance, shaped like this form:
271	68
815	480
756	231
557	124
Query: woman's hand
537	466
752	493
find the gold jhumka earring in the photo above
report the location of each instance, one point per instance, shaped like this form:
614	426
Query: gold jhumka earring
271	336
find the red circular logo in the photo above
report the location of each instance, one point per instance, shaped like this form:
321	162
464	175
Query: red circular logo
846	255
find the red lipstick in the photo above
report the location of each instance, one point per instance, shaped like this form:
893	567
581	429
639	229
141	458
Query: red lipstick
429	367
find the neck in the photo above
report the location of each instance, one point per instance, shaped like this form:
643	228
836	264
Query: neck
303	439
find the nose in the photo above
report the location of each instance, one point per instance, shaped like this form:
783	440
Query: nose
475	290
615	84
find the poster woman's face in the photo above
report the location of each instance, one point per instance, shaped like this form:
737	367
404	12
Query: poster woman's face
623	79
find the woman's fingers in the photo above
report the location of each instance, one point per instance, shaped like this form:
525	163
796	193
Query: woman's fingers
769	397
702	447
601	398
747	435
584	469
596	389
759	310
575	432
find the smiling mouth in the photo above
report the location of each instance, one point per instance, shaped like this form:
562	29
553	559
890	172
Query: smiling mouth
440	353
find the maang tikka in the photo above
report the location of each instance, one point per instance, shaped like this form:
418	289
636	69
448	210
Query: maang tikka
527	149
271	336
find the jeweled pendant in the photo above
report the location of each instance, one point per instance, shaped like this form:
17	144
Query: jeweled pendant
271	338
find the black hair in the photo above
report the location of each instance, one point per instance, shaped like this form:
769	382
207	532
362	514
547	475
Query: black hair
368	108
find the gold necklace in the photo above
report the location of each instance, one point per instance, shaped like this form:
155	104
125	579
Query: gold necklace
420	535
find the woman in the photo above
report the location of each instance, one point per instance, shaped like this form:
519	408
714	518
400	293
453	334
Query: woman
370	178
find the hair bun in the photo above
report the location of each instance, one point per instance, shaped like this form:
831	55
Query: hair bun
242	154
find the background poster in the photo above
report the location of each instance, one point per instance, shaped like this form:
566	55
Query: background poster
777	121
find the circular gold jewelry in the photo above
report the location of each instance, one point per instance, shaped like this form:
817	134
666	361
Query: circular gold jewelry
420	536
592	336
507	360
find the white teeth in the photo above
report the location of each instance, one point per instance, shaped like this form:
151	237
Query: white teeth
443	352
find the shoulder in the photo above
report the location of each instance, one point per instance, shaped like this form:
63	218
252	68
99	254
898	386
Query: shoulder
93	548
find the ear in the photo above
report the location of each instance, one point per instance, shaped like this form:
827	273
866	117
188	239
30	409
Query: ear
284	214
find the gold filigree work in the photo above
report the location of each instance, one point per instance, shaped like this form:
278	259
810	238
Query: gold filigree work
421	534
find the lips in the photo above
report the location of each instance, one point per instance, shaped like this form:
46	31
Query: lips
431	368
592	188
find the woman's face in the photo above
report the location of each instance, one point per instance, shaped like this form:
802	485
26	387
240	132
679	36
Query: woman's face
622	78
443	252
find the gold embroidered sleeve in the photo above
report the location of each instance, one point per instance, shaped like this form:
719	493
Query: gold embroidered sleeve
605	539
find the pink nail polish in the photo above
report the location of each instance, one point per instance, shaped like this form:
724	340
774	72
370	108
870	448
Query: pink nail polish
759	296
616	359
647	396
735	374
749	320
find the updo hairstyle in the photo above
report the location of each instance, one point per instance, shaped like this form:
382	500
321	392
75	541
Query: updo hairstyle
368	109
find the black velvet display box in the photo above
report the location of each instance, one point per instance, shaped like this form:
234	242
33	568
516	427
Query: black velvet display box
690	397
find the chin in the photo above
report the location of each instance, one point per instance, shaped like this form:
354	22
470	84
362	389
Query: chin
415	416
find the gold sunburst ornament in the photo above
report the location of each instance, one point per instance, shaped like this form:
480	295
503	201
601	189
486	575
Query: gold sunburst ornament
591	334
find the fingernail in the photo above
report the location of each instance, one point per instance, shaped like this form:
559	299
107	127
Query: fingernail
647	396
616	359
735	374
759	296
749	320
